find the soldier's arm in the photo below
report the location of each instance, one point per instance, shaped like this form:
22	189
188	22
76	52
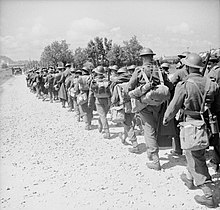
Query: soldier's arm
61	78
133	82
115	96
68	82
175	78
176	103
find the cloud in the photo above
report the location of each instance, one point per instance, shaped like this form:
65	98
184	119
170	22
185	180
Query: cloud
115	29
183	28
25	42
82	30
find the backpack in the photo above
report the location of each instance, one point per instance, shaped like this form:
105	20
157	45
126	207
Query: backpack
83	83
157	95
101	88
124	97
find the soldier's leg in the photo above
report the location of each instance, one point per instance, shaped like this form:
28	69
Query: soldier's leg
86	116
197	168
131	133
102	111
215	160
149	117
50	92
70	99
176	141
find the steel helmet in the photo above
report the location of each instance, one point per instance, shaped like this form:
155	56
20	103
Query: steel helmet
78	71
122	70
68	65
99	70
147	51
132	67
193	60
72	70
183	54
165	65
213	59
114	67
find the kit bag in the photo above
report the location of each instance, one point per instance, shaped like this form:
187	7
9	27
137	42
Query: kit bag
158	94
101	88
46	85
83	83
82	98
72	92
118	112
194	134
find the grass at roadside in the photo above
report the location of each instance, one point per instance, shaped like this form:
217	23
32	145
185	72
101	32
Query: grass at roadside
5	74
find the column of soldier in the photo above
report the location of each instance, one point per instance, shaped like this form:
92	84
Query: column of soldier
123	91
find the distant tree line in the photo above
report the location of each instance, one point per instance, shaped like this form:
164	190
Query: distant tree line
99	51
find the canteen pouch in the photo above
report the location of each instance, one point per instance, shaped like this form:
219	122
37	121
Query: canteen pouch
82	98
34	84
118	114
72	92
46	85
194	135
101	89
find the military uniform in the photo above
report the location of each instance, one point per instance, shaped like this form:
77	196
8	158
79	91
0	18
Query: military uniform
85	111
188	96
49	79
102	104
129	132
214	74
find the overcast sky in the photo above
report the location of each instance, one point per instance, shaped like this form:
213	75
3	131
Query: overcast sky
168	27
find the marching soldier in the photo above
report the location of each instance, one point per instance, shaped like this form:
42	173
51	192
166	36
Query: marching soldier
187	95
100	89
78	73
120	96
68	82
62	93
49	79
150	114
181	73
82	90
214	75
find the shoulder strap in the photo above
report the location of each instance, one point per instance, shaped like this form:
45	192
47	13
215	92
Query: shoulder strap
145	76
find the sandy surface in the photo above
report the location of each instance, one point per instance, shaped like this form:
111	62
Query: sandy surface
48	161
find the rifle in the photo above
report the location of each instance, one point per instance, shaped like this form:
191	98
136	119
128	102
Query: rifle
206	63
109	71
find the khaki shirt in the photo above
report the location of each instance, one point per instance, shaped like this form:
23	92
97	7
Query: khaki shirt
188	97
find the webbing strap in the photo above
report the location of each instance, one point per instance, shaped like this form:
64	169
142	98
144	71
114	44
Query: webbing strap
202	102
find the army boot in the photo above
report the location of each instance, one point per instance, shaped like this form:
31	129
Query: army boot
123	138
188	182
154	163
207	198
206	201
135	148
106	134
88	127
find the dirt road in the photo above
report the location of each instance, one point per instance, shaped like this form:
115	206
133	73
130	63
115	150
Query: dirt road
48	161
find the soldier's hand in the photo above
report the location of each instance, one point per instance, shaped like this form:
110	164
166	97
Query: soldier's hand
165	122
155	81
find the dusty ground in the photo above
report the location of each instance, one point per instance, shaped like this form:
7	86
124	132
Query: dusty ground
48	161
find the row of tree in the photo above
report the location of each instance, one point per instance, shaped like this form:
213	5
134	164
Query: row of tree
100	51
